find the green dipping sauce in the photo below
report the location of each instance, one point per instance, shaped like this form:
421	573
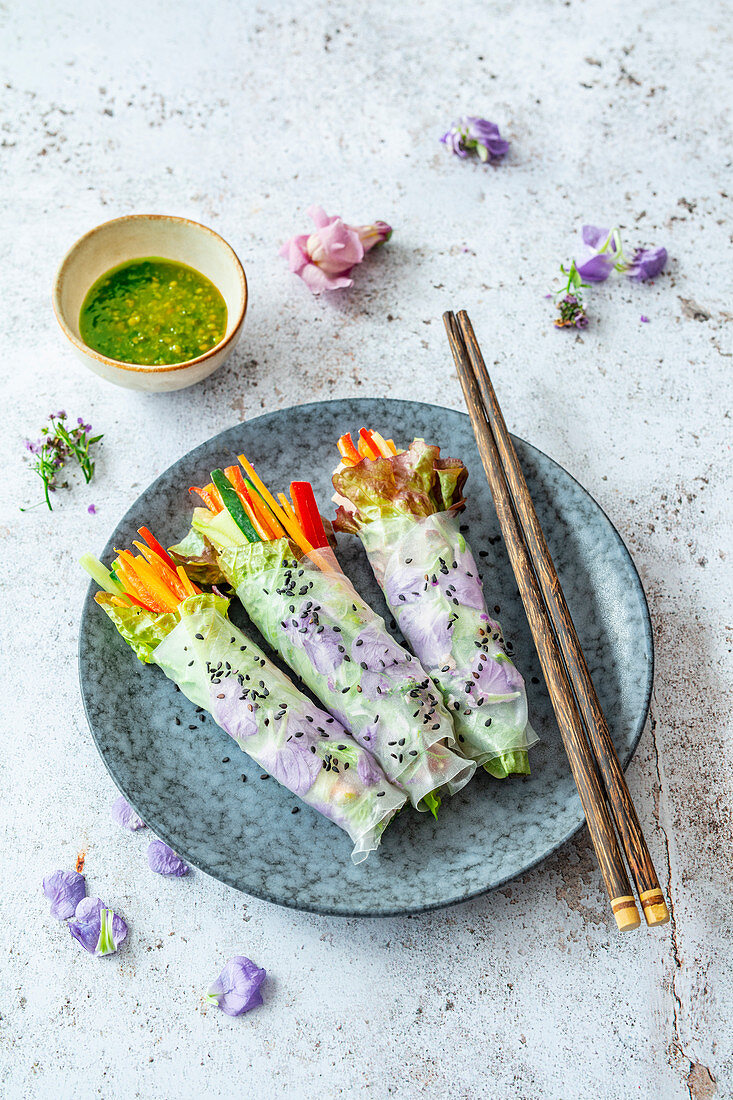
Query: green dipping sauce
153	312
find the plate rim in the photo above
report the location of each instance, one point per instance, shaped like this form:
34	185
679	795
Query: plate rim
327	910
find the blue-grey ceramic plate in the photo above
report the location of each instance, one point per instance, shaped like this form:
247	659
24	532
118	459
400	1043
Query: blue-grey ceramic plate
187	781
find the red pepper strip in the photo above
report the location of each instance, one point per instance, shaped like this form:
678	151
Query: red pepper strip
348	451
156	547
206	497
369	445
307	514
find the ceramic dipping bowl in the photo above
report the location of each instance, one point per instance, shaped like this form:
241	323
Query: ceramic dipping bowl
141	235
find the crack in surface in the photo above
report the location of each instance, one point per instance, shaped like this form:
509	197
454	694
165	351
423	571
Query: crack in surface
698	1080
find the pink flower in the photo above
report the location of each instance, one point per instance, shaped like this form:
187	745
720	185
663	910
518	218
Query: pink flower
324	260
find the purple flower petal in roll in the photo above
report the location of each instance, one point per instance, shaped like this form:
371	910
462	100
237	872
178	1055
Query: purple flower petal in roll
647	263
462	583
320	641
235	714
164	861
123	815
375	648
64	889
367	770
493	679
427	628
237	989
99	930
296	764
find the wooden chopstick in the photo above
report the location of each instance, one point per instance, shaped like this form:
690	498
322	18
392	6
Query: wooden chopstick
580	757
622	807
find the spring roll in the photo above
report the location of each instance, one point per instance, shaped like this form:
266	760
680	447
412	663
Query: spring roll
219	668
403	506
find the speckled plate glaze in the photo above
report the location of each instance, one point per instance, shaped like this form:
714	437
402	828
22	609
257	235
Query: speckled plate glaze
187	781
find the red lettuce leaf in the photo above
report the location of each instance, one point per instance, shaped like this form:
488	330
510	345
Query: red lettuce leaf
417	482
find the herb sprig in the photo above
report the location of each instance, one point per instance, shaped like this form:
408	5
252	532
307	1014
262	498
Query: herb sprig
57	443
569	300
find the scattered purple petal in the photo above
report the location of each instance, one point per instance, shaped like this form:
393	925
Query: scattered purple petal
597	268
99	930
644	319
64	889
475	135
647	263
123	815
237	989
164	861
92	509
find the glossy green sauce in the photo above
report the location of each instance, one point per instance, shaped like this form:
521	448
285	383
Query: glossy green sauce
153	312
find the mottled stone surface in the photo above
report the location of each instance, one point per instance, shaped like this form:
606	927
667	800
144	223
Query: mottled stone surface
240	116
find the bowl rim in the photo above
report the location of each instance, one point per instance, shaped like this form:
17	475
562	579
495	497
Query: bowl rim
140	368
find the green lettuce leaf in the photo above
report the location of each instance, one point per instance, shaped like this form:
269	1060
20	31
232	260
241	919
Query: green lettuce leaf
144	630
417	482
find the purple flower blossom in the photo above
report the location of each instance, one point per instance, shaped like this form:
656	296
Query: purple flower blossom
60	415
471	134
164	861
237	989
99	930
92	510
123	815
647	263
64	889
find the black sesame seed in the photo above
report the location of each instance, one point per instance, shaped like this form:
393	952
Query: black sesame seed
177	721
295	810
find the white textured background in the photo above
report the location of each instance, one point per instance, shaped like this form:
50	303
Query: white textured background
241	115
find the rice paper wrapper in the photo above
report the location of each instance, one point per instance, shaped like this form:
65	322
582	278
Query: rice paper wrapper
339	647
219	668
431	583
